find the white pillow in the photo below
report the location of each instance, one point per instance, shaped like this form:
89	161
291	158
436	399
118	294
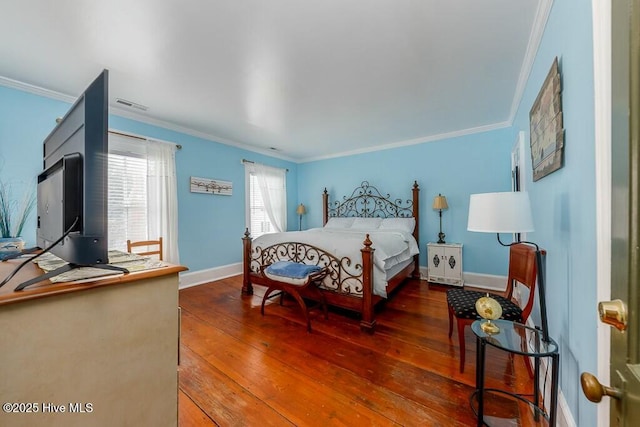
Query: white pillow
339	222
366	223
404	224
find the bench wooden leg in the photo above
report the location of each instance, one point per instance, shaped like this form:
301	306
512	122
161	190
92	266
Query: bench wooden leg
310	287
295	296
302	304
266	296
321	299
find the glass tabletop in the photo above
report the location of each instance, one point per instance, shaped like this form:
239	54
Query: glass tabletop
516	338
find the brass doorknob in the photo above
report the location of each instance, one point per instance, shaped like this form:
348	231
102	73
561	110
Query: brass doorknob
594	391
613	313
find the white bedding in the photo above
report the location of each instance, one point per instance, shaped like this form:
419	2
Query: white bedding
392	247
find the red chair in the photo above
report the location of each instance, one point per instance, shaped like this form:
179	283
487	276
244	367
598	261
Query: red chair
462	302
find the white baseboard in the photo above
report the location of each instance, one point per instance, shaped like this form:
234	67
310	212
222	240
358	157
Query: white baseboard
471	280
485	281
424	272
476	280
565	417
200	277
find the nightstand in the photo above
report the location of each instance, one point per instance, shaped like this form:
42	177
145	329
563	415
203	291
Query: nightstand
445	263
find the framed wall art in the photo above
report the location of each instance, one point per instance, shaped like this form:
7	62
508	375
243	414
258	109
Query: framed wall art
547	132
211	186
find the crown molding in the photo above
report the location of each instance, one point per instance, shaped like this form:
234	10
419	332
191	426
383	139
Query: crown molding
121	112
414	141
36	90
535	38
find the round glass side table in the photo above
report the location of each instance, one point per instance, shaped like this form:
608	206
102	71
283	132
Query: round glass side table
494	406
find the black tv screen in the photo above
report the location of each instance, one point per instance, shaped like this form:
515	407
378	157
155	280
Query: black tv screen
72	189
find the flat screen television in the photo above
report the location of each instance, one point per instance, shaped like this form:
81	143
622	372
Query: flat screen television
72	191
73	188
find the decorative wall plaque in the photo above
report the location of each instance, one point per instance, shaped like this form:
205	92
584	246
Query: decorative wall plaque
211	186
547	132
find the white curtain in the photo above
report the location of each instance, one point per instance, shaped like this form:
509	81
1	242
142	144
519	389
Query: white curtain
273	187
162	197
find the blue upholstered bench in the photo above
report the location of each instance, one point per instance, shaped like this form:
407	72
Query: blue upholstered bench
297	280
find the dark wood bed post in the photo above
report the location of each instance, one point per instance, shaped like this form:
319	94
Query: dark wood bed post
368	322
325	207
247	287
416	230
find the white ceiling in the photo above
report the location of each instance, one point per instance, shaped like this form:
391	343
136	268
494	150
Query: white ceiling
313	79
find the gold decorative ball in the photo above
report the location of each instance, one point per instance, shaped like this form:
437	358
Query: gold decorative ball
488	308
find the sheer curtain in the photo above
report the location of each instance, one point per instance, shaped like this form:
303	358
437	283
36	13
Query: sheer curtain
273	187
162	199
143	201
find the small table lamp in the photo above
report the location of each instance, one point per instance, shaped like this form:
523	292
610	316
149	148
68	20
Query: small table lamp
301	210
439	204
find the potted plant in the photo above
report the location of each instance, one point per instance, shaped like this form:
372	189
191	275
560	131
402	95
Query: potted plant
13	217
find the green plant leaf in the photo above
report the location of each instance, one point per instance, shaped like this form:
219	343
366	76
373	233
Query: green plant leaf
11	210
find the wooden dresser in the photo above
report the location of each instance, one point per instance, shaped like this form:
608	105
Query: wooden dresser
101	353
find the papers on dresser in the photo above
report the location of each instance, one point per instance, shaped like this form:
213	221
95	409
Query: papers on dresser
132	262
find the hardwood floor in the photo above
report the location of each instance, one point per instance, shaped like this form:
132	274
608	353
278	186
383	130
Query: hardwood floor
238	368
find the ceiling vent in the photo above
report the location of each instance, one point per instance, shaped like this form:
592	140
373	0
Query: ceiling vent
130	104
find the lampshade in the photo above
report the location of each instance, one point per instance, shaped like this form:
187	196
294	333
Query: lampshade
440	202
508	212
301	209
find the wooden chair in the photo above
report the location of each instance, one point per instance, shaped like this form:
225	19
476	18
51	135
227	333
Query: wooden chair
146	243
462	302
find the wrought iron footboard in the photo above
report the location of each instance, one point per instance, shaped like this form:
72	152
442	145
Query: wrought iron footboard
344	276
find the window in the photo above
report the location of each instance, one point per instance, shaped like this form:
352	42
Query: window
142	201
266	204
127	199
259	219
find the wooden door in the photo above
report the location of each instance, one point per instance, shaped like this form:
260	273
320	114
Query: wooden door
625	354
623	312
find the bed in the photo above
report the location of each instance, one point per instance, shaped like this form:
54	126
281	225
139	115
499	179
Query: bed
368	244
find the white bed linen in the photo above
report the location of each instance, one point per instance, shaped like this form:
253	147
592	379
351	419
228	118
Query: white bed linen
392	247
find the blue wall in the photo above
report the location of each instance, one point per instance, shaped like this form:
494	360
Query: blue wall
564	202
25	120
210	228
455	167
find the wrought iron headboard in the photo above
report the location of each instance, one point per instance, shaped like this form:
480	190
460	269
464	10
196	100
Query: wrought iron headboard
366	201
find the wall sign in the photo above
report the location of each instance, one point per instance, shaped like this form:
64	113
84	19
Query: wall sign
211	186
